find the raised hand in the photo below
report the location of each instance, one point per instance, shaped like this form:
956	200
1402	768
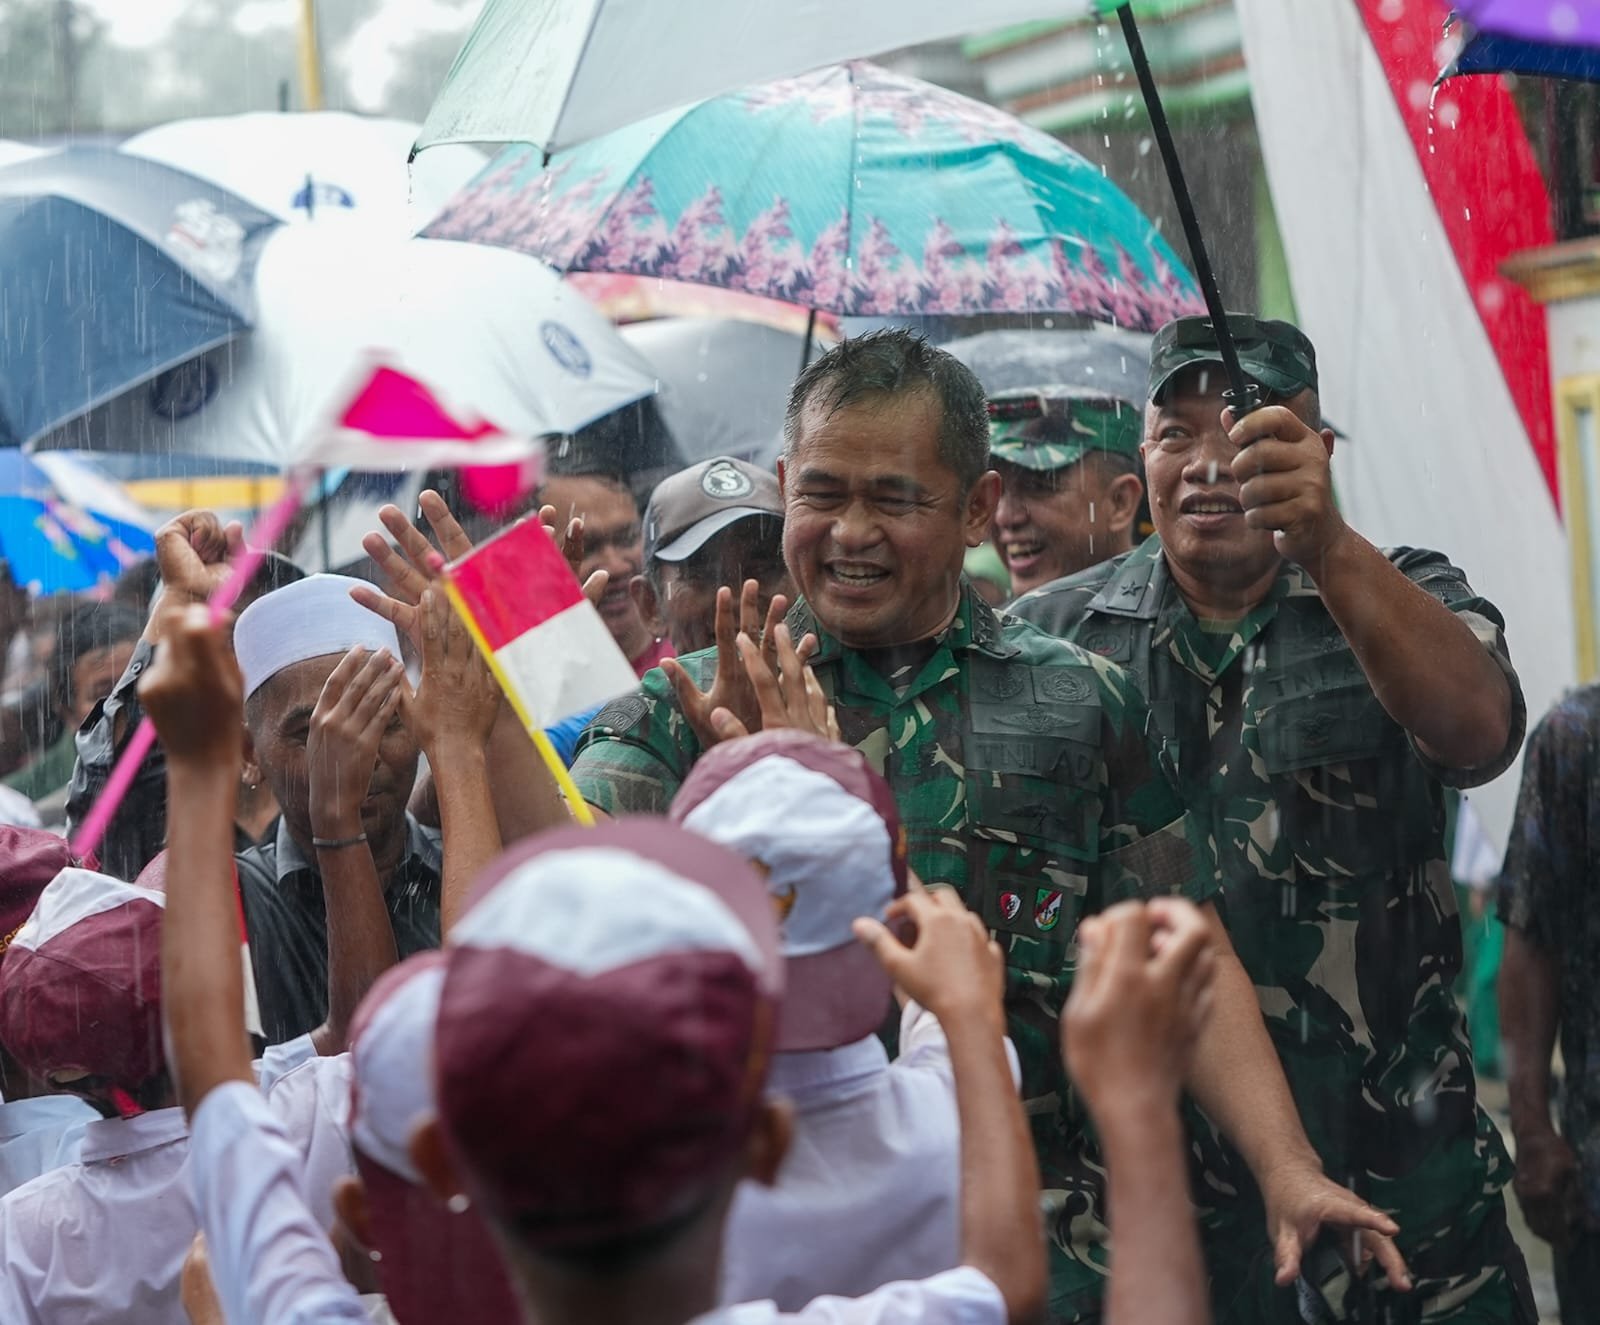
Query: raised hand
732	688
193	551
357	704
458	698
193	691
1141	994
952	967
411	563
794	698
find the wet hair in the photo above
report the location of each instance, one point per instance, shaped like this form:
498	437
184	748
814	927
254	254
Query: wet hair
88	626
897	362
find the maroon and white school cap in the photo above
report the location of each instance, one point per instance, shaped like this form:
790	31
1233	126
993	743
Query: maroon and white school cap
434	1263
605	1028
80	989
825	828
29	859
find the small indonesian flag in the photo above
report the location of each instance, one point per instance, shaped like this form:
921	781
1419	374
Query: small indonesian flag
549	649
386	418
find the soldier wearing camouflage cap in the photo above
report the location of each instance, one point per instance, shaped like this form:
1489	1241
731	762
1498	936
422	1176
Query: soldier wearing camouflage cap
1319	694
1068	461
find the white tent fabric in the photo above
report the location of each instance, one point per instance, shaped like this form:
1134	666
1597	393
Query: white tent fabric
304	165
493	330
558	72
1438	454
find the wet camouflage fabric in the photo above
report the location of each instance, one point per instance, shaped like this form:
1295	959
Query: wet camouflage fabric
1070	423
1276	354
1026	779
1329	830
1547	894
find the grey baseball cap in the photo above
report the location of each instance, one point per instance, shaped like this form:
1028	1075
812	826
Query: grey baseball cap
689	508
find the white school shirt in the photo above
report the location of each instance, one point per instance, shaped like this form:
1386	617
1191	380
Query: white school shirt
870	1191
271	1264
38	1135
103	1239
962	1296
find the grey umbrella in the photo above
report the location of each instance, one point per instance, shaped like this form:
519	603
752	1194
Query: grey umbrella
724	384
1117	362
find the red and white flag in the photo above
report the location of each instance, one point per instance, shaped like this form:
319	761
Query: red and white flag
550	651
387	418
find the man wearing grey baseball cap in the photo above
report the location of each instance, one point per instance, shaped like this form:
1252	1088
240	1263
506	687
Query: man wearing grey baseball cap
715	523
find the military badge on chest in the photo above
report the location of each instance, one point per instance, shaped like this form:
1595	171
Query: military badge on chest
1046	912
1046	909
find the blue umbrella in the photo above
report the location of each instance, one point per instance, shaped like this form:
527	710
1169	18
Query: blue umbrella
1544	38
50	545
1494	53
112	270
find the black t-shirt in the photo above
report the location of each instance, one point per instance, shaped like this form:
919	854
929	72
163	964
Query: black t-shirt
287	923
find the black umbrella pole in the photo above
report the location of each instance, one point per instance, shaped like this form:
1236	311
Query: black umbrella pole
1243	395
805	348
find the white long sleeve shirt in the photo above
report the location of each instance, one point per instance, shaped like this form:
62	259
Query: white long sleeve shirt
272	1265
870	1191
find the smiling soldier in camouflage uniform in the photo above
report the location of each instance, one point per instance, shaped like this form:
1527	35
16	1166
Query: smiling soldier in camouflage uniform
1068	461
1023	767
1318	695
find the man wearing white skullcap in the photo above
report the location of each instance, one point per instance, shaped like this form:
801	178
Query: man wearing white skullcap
323	685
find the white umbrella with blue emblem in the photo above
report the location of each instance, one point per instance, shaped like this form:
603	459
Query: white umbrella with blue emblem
302	166
497	331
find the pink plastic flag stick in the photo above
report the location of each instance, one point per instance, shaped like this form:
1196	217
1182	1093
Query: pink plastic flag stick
258	542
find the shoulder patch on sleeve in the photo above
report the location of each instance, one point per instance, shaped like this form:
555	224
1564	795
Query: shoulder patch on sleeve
623	714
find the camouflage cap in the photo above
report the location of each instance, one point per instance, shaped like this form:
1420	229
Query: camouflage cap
1276	354
1051	427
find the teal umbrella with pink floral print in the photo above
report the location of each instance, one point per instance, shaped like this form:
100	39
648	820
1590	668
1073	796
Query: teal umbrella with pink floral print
850	190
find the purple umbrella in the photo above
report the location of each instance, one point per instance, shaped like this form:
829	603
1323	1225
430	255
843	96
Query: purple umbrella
1556	22
1545	38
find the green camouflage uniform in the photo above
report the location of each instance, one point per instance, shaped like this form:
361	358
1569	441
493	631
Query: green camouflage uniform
1329	828
1027	779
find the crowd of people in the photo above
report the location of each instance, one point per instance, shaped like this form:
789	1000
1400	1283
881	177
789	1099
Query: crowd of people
1084	956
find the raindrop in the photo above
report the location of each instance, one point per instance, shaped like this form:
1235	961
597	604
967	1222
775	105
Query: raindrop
1091	512
1145	144
1491	297
1392	11
1419	94
1211	472
1564	20
1449	114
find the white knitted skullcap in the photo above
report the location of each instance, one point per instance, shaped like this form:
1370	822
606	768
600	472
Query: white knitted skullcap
310	618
